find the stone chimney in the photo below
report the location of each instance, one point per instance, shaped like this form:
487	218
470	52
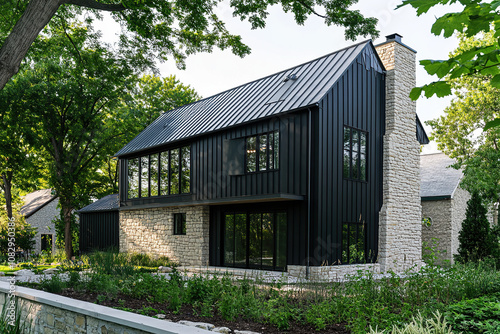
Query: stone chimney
400	228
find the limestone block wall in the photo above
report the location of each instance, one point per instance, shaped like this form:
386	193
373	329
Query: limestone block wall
42	220
459	208
439	235
150	231
400	243
331	273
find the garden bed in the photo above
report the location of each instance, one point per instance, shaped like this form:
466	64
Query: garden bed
186	312
352	306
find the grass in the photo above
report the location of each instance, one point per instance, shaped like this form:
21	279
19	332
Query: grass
9	271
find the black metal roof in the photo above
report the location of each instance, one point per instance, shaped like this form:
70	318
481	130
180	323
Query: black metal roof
253	100
107	203
438	179
421	134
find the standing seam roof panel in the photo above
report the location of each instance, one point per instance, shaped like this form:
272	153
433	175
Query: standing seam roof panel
247	102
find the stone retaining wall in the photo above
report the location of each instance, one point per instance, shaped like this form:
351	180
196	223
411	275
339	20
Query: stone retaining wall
53	314
151	231
331	273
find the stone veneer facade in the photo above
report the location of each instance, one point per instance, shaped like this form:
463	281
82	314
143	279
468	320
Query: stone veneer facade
150	231
447	217
400	242
43	221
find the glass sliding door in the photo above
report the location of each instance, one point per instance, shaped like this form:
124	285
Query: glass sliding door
255	240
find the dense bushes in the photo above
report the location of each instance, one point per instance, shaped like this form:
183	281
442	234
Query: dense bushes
476	241
362	302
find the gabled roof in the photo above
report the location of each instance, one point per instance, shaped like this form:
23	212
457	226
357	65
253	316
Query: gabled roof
107	203
438	180
35	201
253	100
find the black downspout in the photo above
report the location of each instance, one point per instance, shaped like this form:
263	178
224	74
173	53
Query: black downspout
309	164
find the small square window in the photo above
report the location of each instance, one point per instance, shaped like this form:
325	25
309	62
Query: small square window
179	223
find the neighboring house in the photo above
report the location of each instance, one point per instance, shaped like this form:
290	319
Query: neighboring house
311	170
99	225
40	209
444	205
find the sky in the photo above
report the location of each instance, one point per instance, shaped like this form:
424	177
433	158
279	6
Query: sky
284	44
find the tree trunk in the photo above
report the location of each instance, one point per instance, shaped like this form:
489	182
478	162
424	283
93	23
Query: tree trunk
68	237
36	16
7	189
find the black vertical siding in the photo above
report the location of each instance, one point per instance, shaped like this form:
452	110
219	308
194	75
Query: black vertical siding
99	231
357	100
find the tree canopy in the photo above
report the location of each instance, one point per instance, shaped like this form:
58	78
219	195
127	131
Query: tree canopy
161	29
459	132
477	17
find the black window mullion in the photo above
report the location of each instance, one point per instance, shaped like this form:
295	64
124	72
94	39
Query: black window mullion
169	173
149	175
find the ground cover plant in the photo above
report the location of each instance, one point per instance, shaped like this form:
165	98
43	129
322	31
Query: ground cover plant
366	301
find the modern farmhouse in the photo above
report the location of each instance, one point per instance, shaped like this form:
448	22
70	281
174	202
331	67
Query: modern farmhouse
310	170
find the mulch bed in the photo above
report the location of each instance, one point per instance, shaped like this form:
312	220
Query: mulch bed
186	313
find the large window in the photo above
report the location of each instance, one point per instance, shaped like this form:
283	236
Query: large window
133	178
262	152
160	174
255	240
353	243
355	149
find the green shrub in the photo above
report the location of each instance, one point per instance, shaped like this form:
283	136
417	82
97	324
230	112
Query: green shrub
53	284
420	325
479	315
476	242
17	325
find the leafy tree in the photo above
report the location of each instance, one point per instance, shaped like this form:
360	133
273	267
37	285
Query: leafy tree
69	89
147	99
475	240
162	29
24	233
459	131
477	17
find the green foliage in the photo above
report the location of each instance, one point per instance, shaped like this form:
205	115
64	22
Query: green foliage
479	315
476	17
19	324
109	263
53	284
420	325
24	236
476	242
460	133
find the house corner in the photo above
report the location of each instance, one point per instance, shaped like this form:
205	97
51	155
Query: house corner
400	228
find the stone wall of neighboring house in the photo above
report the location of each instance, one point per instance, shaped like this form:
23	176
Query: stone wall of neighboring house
151	231
437	238
400	244
460	199
447	216
42	220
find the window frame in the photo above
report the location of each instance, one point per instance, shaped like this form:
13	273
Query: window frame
160	155
359	153
182	217
275	152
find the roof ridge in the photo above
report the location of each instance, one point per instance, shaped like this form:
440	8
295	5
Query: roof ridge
271	75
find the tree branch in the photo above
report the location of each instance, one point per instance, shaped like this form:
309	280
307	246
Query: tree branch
96	5
306	6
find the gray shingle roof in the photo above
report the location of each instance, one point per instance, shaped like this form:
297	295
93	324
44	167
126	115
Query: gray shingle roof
437	178
251	101
35	201
107	203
